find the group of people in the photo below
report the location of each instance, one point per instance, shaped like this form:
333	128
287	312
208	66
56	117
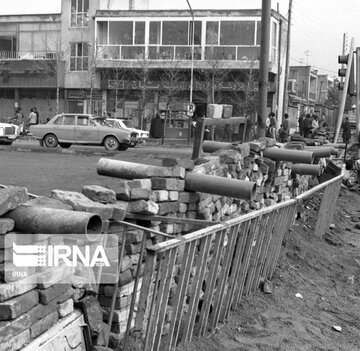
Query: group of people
311	124
25	122
284	131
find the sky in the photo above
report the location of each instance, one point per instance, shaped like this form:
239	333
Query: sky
317	31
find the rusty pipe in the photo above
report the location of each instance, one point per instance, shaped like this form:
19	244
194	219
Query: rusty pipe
128	170
289	155
210	146
306	169
43	220
216	185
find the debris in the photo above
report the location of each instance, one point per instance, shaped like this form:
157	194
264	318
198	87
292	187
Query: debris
299	295
351	279
337	328
267	287
332	226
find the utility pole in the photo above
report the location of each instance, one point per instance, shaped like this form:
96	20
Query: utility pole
264	66
287	62
357	95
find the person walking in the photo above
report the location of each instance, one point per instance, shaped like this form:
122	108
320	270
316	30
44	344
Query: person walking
31	119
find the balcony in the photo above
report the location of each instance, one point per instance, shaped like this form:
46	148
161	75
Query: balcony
28	55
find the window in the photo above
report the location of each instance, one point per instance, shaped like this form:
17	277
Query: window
82	121
139	33
237	33
154	36
79	56
175	33
121	33
212	33
79	14
68	120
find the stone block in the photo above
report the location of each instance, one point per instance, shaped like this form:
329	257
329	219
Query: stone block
39	311
173	195
167	228
16	342
80	202
167	184
6	225
12	197
53	275
48	202
93	313
65	308
178	162
9	329
138	193
123	191
186	196
43	324
159	195
144	207
182	207
257	145
51	293
120	210
10	290
126	263
168	207
134	235
139	184
125	277
13	308
99	194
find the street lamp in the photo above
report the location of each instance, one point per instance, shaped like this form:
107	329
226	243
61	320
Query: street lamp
192	52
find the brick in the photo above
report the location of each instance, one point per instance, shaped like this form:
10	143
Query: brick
93	313
173	195
124	290
80	202
16	306
120	304
138	193
125	277
139	184
11	197
10	290
66	308
182	207
43	324
180	162
51	293
120	210
167	184
99	194
168	207
16	342
144	207
39	311
9	329
159	195
123	191
134	236
54	275
6	225
48	202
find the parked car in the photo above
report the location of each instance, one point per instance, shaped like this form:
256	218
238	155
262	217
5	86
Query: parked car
69	128
8	133
141	136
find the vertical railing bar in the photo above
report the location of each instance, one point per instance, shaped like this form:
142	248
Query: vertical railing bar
214	263
151	326
189	254
164	303
113	300
198	280
224	275
239	251
136	284
262	250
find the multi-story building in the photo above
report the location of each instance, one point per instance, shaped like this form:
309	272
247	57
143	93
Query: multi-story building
136	63
31	71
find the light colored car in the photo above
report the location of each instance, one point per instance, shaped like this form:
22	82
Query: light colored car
8	133
141	136
70	128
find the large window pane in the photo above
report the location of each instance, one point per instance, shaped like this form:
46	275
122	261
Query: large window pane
154	35
212	30
102	28
258	33
139	32
197	33
121	33
175	33
237	32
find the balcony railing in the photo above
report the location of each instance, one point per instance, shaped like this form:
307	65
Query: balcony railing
177	52
28	55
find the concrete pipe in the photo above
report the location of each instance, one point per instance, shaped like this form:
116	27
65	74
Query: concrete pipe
215	185
321	151
127	170
42	220
289	155
212	146
305	169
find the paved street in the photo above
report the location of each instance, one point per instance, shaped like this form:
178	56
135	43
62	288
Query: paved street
41	170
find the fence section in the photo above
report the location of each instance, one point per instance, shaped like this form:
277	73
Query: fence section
191	283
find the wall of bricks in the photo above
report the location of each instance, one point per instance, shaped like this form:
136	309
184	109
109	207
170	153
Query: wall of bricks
28	310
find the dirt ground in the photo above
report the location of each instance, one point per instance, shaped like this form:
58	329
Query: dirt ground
325	271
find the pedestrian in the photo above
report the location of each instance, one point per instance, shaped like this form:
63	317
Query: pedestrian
37	115
270	126
283	134
286	121
301	122
314	125
31	119
307	125
346	131
18	119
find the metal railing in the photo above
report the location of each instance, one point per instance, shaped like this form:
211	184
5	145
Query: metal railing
191	283
28	55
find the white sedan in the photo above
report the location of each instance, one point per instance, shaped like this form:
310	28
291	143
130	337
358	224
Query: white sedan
8	133
141	136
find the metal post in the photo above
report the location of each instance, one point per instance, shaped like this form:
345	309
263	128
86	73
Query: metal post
192	52
358	96
264	66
